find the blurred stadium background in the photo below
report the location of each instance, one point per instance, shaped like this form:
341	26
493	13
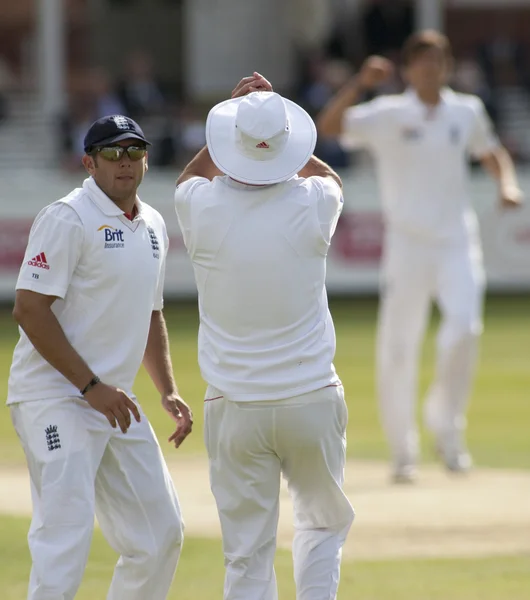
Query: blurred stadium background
64	63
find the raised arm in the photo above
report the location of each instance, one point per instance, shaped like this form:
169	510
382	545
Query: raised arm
374	71
500	166
318	168
202	164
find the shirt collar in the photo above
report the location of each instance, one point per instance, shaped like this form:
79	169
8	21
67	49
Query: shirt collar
446	95
104	203
244	186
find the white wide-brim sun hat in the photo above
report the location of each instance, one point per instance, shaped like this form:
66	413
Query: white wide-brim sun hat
261	138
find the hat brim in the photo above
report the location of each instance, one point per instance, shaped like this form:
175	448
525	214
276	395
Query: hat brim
120	138
221	141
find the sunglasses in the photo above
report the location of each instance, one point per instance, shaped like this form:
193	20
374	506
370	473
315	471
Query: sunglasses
115	153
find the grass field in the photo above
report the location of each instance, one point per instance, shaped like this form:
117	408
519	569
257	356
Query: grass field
498	437
200	574
500	410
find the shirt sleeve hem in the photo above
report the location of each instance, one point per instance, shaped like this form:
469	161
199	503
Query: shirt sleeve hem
46	290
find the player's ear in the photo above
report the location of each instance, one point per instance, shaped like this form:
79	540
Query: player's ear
146	167
89	163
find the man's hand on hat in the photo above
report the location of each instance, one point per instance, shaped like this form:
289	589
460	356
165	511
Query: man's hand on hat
254	83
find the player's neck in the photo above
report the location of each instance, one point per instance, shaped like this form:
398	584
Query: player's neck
125	204
249	184
430	97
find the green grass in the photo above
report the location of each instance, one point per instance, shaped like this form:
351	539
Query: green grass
500	410
498	436
200	574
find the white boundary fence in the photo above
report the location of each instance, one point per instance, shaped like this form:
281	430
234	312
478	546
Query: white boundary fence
353	266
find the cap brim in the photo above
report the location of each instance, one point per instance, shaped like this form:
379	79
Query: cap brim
120	138
221	141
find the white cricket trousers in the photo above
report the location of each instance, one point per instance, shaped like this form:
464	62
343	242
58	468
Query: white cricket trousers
250	445
415	273
79	466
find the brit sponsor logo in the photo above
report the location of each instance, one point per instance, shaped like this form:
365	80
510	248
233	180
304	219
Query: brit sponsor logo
39	261
113	237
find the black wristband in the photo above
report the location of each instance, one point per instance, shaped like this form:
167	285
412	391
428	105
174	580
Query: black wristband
94	381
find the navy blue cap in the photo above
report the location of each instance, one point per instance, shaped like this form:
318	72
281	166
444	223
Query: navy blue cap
113	129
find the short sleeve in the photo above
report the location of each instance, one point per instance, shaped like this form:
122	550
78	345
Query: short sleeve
329	206
53	251
483	138
362	124
183	200
159	296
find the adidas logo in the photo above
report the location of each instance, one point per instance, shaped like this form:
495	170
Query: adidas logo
39	261
52	438
263	145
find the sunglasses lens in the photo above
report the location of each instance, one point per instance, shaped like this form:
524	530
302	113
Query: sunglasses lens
113	153
136	153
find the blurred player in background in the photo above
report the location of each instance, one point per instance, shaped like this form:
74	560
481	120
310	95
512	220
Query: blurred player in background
89	305
421	141
257	211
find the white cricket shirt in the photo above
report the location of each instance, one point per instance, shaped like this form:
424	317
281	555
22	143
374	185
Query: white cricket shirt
421	156
108	273
259	256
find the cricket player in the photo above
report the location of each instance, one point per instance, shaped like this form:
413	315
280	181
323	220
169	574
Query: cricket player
89	305
422	141
258	211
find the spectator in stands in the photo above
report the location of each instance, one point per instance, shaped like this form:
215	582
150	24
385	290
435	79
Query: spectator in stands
94	98
169	142
328	76
193	134
503	58
181	136
140	92
387	24
468	78
103	91
6	83
314	92
73	125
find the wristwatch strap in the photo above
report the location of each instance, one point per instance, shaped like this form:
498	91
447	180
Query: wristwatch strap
94	381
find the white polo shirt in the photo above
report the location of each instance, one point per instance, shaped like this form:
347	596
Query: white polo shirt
108	273
421	156
259	256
